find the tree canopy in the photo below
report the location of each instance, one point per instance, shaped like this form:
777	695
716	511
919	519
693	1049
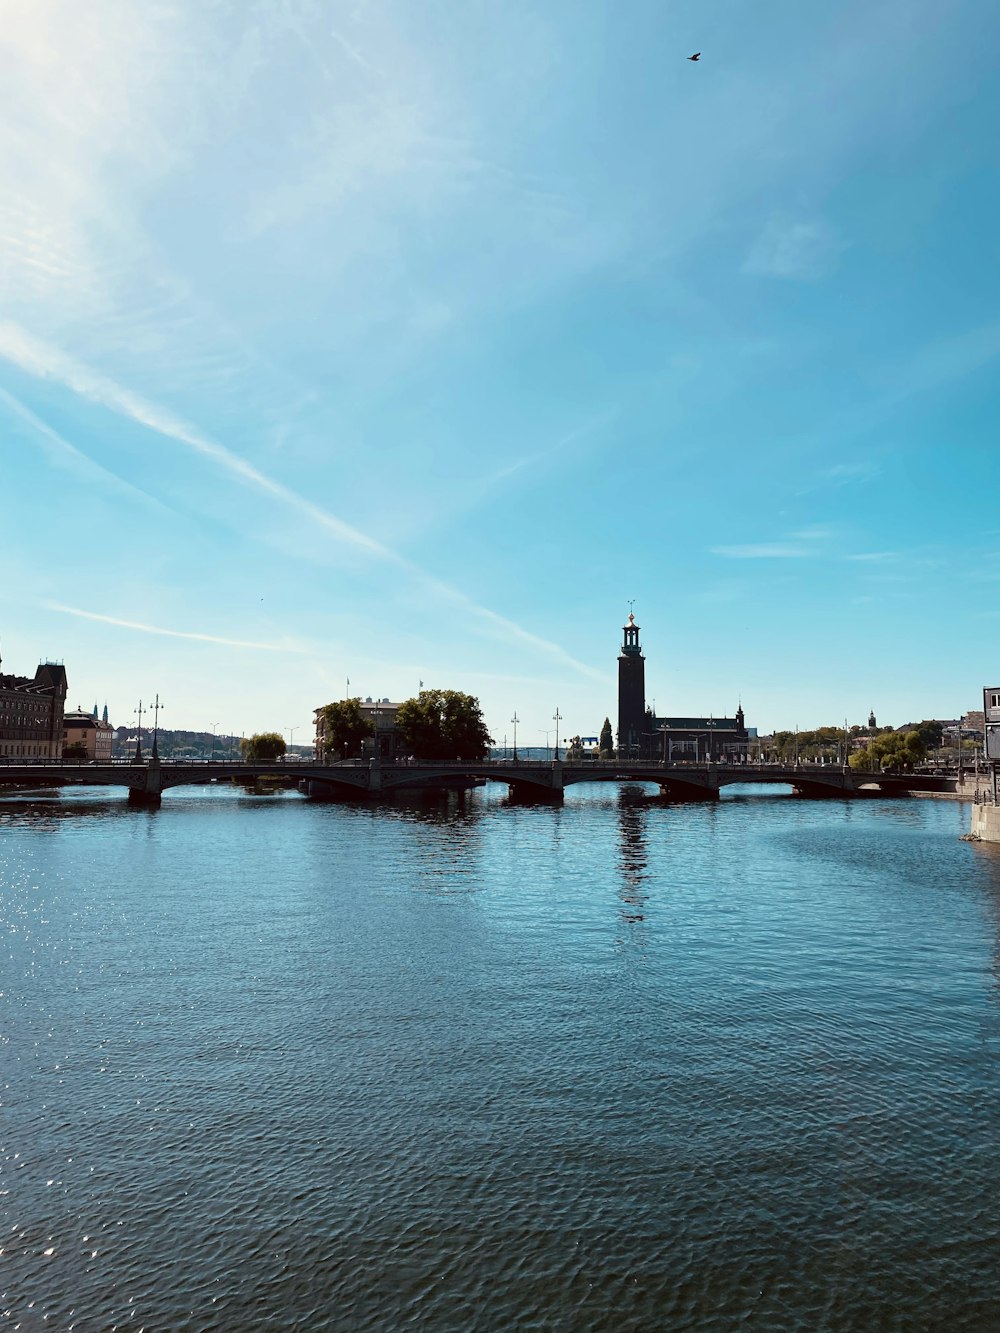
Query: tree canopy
443	724
890	749
931	733
346	727
263	746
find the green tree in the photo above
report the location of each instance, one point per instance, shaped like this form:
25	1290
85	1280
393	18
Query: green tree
443	724
892	749
931	733
262	747
606	745
346	727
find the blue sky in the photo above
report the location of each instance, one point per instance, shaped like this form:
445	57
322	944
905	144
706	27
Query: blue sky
404	342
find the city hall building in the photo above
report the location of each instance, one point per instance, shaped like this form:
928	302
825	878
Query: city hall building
644	735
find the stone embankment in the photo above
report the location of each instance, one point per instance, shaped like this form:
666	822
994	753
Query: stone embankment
985	823
975	787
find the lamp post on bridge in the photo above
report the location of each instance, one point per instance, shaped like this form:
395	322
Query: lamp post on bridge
137	759
663	732
291	737
156	725
215	727
515	720
546	734
557	718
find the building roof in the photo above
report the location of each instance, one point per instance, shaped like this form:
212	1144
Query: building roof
698	723
80	720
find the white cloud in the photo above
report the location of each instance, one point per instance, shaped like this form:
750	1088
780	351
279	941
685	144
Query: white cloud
763	551
172	633
59	451
806	250
47	362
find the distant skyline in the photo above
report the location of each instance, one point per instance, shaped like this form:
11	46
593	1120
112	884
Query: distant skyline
402	342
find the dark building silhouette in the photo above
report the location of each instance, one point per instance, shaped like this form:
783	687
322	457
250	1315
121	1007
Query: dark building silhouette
31	713
631	690
644	735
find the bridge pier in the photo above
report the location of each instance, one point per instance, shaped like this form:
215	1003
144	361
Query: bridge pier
682	793
530	793
145	800
145	787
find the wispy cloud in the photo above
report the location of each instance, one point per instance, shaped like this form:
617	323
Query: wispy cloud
816	533
50	363
841	474
874	557
947	359
543	455
173	633
763	551
803	249
59	451
797	545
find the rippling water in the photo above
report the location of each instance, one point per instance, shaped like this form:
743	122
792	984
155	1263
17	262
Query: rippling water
268	1064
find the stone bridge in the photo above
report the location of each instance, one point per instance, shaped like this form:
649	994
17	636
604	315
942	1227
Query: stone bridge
526	780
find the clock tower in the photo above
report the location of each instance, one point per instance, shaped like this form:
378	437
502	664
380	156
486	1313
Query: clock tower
631	691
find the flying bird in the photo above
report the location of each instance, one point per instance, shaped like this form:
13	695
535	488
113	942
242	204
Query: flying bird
696	56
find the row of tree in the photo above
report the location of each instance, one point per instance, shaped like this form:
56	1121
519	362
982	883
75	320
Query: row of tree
447	724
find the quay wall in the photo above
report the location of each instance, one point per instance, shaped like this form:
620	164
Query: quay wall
986	823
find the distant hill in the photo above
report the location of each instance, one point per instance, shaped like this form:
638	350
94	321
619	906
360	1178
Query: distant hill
189	744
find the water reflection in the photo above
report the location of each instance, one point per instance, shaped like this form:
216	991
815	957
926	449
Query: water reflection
633	852
46	812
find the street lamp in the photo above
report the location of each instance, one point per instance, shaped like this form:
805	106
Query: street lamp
156	725
138	736
546	734
515	720
557	718
291	737
215	727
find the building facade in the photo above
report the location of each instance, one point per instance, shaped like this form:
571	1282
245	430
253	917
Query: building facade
384	742
86	731
644	735
31	713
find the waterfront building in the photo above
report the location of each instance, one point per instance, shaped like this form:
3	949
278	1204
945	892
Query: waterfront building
95	734
385	741
31	713
642	734
991	722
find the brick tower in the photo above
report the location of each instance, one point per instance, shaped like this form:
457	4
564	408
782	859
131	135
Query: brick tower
631	691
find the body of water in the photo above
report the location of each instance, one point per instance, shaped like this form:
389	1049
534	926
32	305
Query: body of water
269	1064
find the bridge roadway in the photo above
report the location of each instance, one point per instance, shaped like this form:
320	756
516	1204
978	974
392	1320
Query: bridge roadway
530	780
